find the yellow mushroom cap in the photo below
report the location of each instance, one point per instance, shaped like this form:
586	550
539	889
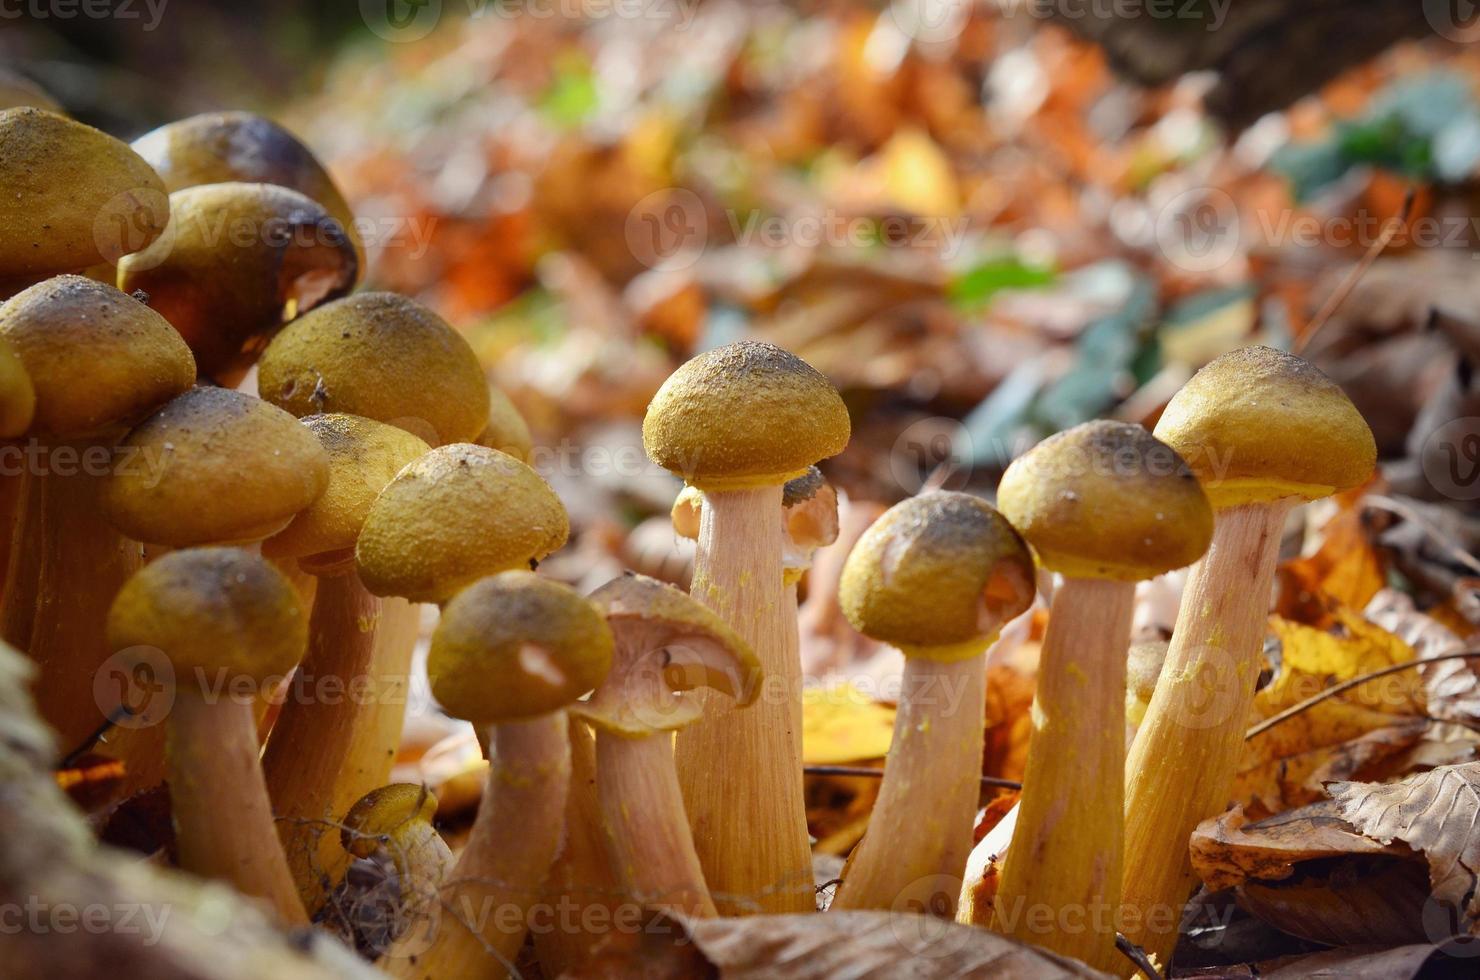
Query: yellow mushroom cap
382	356
1258	424
1107	500
455	515
209	610
506	430
363	457
73	197
382	814
667	642
98	358
745	415
514	646
936	575
222	147
17	394
214	466
235	263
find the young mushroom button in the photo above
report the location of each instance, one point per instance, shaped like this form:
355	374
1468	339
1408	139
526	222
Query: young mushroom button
221	617
738	422
936	576
510	653
1105	505
394	824
1264	431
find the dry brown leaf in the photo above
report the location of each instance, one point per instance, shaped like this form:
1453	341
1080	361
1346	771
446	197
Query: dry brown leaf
1400	963
1451	687
1435	813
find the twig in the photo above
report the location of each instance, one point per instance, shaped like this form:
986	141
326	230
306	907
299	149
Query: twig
1385	238
1331	692
1379	502
1136	955
878	773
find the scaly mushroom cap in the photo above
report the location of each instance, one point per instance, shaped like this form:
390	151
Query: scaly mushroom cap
382	356
74	197
212	609
666	643
381	814
506	430
746	415
1107	500
514	646
17	394
214	466
235	263
98	358
455	515
363	457
937	576
1258	424
222	147
17	90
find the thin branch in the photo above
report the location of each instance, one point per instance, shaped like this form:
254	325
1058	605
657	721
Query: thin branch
1136	955
877	773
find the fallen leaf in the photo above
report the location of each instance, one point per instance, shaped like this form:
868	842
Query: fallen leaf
1451	687
1401	963
1229	849
842	724
1346	568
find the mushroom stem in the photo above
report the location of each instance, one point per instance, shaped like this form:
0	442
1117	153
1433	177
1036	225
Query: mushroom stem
1182	761
1067	849
223	822
741	770
22	565
647	828
913	855
500	874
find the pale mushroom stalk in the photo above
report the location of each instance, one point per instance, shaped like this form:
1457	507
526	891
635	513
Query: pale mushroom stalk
738	422
937	576
1264	431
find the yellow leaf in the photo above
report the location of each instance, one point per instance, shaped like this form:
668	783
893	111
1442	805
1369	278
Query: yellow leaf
842	724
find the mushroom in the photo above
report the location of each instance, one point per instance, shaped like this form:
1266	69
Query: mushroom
506	430
510	654
221	147
936	576
74	198
224	619
738	423
17	91
1105	505
382	356
1264	431
97	361
666	644
394	824
236	262
17	395
337	734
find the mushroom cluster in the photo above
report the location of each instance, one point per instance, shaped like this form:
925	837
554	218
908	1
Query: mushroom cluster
220	577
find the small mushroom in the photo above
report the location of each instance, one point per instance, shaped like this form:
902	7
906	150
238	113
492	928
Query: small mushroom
506	430
394	824
221	616
510	654
333	744
738	422
1104	504
936	576
1264	431
666	644
236	262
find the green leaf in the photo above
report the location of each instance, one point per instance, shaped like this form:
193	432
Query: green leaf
973	288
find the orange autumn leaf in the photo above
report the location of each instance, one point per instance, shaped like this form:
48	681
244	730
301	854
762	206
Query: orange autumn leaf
1346	570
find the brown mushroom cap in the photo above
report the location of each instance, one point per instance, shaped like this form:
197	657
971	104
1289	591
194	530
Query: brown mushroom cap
209	610
745	415
98	358
382	356
222	147
1107	500
17	91
666	643
74	197
455	515
214	466
17	394
235	263
382	814
811	513
1258	424
936	576
506	430
514	646
363	457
